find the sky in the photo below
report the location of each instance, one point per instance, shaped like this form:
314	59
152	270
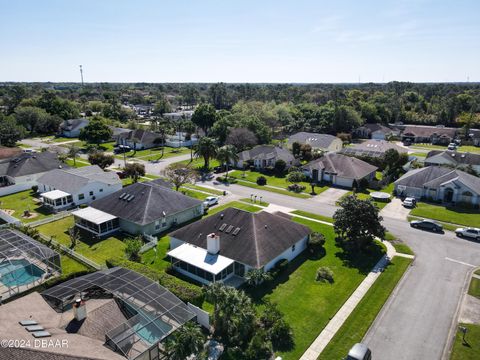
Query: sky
294	41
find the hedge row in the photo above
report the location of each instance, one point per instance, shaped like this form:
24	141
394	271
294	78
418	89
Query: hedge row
183	290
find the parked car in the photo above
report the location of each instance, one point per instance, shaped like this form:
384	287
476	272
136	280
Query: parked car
473	233
359	351
210	201
452	146
407	142
409	202
119	149
219	169
429	225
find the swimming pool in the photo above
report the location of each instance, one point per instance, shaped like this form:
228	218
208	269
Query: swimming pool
19	272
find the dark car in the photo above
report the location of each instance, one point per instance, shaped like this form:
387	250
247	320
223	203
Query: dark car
219	169
426	225
119	149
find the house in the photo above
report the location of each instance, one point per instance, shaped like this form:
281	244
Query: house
9	152
63	188
71	128
264	156
142	109
21	172
225	246
339	170
324	142
373	148
179	115
373	131
116	306
116	131
181	139
138	139
142	208
475	136
438	183
456	159
429	134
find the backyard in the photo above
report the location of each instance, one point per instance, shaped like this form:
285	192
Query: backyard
16	204
454	215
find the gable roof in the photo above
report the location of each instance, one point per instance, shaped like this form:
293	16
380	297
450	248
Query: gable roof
321	141
149	201
262	236
143	136
9	152
30	163
435	176
72	180
73	124
428	131
341	165
374	148
375	127
454	157
266	152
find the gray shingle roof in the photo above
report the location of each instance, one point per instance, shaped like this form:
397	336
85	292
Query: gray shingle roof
262	237
148	204
31	163
266	152
71	180
374	148
375	127
455	157
32	354
321	141
144	136
341	165
427	131
73	124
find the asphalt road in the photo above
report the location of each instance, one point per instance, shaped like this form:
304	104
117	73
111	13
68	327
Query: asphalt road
416	321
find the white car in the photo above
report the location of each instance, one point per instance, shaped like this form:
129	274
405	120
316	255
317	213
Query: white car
452	146
210	201
473	233
409	202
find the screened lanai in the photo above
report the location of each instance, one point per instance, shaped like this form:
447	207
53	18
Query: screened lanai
152	312
24	262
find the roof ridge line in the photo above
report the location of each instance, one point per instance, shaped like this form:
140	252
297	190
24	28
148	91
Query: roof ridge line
255	238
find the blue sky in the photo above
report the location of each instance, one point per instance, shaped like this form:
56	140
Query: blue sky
240	41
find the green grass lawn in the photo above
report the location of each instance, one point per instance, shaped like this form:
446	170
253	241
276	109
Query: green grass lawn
463	148
474	288
78	163
312	215
477	272
249	200
418	154
197	163
70	265
193	193
60	139
154	153
470	350
364	195
235	204
96	250
357	324
306	304
454	215
399	246
205	189
21	201
272	189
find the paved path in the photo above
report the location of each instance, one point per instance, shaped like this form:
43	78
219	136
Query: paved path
395	210
330	196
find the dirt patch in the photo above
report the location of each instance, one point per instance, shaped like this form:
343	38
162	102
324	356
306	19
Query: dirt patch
9	211
31	215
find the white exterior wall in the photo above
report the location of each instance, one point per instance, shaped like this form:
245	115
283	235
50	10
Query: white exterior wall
378	135
22	183
288	254
336	145
345	182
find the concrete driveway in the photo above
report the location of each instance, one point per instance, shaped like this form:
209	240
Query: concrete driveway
330	196
395	210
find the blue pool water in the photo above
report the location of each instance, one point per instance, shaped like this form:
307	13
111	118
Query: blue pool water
19	272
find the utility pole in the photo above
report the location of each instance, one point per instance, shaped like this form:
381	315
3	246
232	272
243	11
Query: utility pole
81	74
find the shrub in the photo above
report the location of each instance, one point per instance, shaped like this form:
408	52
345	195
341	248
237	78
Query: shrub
262	180
35	188
132	249
363	184
280	166
324	274
293	169
281	265
295	177
296	188
316	242
183	290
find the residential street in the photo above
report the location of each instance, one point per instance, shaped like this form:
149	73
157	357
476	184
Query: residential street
416	321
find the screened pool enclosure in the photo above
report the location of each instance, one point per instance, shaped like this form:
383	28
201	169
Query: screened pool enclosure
152	312
24	263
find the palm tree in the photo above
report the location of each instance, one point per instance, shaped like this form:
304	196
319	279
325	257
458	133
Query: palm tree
73	151
186	341
206	148
257	276
227	154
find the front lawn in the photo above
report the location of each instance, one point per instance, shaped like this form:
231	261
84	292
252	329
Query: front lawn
16	204
357	324
205	189
307	304
462	148
78	163
312	215
469	350
197	163
474	288
154	153
454	215
96	250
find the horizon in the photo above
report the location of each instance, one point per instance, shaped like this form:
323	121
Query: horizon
301	42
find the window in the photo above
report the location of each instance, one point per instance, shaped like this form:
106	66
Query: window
293	247
101	190
91	193
81	196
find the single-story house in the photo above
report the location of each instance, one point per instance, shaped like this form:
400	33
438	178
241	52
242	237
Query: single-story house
340	170
263	156
71	128
373	148
429	134
324	142
142	109
142	208
438	183
63	188
225	246
22	172
475	136
373	131
138	139
455	159
116	131
180	139
179	115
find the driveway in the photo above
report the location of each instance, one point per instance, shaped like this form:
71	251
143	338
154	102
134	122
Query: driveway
330	196
395	210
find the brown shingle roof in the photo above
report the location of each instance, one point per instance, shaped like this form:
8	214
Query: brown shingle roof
342	165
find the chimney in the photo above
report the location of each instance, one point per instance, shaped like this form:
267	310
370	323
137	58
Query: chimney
213	243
